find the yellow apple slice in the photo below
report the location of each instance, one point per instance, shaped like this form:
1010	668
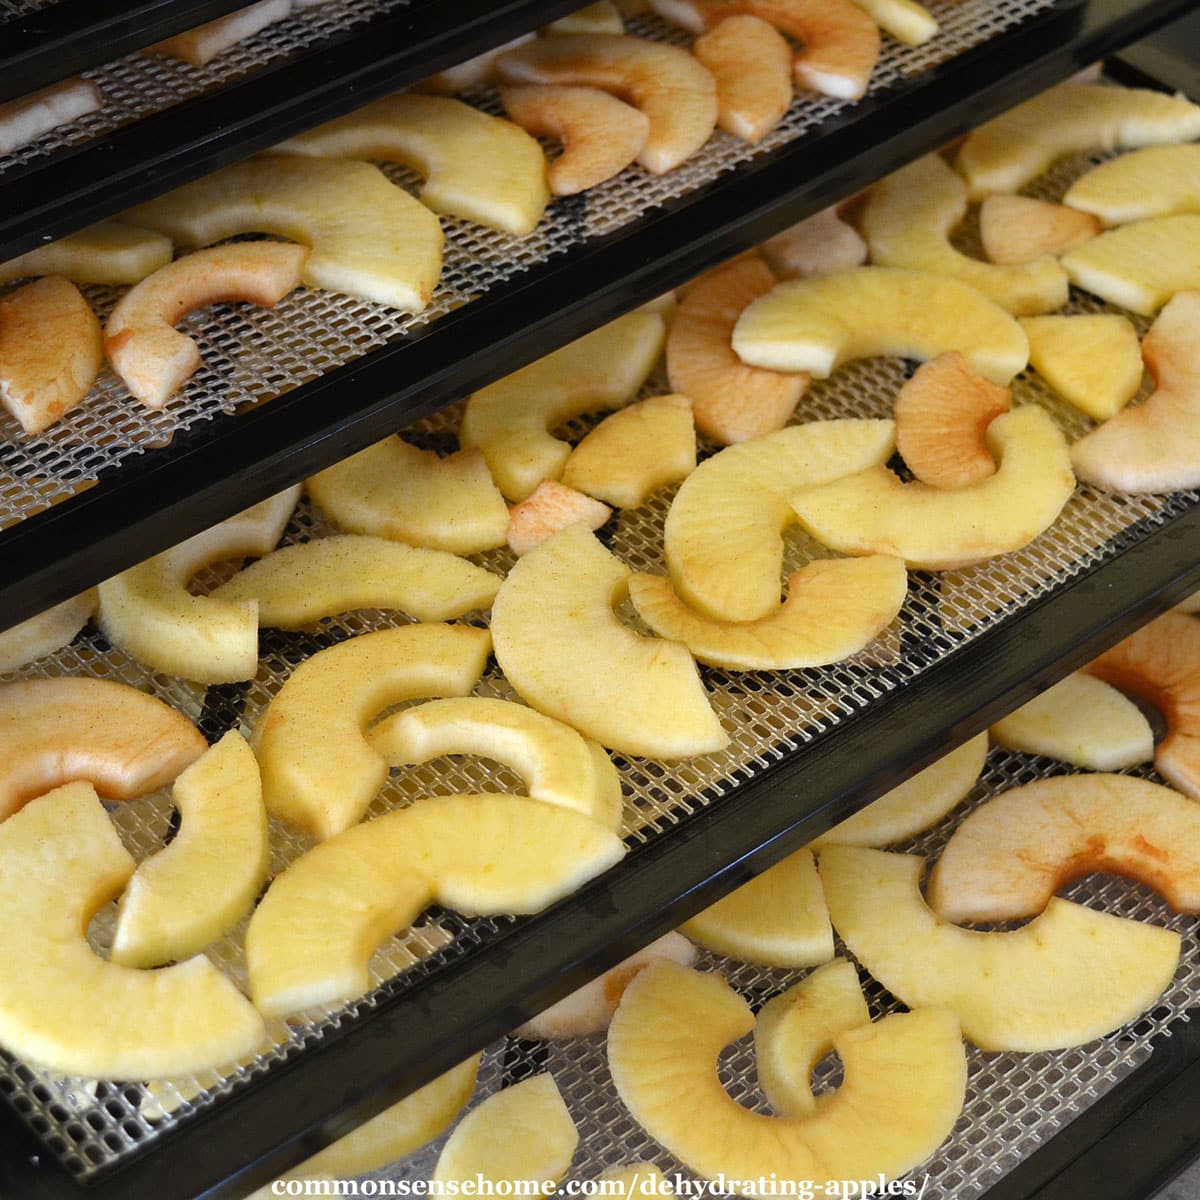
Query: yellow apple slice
319	771
723	539
778	919
822	244
601	17
151	356
108	253
369	237
561	646
908	220
199	886
311	938
1010	856
395	490
510	420
834	608
69	1010
523	1132
752	64
28	118
672	88
1020	229
1154	182
934	530
199	46
550	507
48	631
125	742
50	351
1015	148
1069	976
905	20
478	167
663	1048
148	612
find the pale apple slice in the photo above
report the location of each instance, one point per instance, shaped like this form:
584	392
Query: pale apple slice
556	764
475	71
663	1048
148	612
589	1010
395	490
1080	720
30	117
197	888
1010	856
510	420
125	742
834	608
752	64
561	646
600	134
108	253
796	1029
69	1010
815	325
1015	148
1020	229
822	244
1069	976
199	46
1154	182
731	402
908	219
551	506
151	356
778	919
601	17
934	530
905	20
47	632
1140	266
672	88
311	938
296	586
914	805
369	237
1092	360
50	351
523	1132
319	771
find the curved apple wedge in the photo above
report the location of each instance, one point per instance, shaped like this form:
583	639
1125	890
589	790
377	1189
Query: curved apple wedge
70	1010
319	771
109	252
1067	977
663	1046
752	64
48	631
124	741
1154	182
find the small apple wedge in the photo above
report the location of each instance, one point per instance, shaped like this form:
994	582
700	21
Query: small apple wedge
822	244
109	252
752	64
601	17
549	508
1020	229
30	117
907	21
47	632
1154	182
199	46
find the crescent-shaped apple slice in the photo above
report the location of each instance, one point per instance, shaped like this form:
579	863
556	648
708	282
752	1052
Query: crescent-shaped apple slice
672	88
148	612
152	357
874	512
369	237
200	885
510	420
562	647
834	608
107	253
1154	182
1012	150
905	20
1067	977
319	771
663	1047
69	1010
311	938
53	731
556	764
50	351
1010	856
752	64
909	218
48	631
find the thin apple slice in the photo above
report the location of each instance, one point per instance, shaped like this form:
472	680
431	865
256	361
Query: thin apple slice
108	253
601	17
319	771
1020	229
47	632
752	64
550	507
822	244
1069	976
69	1010
905	20
561	646
199	46
1154	182
30	117
53	731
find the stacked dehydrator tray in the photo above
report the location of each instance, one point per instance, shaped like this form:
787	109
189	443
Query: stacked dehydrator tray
110	486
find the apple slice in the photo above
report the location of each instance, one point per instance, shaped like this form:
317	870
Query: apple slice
905	20
148	612
108	253
1020	229
69	1010
319	771
475	71
47	632
50	351
752	64
1154	182
601	17
124	741
152	357
561	646
369	237
199	46
510	420
30	117
1069	976
822	244
551	506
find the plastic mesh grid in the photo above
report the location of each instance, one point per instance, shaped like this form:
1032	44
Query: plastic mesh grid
255	354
